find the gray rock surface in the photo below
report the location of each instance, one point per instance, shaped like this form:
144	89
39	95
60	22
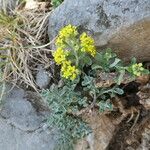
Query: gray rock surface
22	127
121	25
42	77
13	138
20	113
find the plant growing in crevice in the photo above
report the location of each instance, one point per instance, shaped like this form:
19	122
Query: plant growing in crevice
80	66
64	104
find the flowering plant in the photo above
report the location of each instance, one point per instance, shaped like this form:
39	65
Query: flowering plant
75	51
71	51
80	62
137	69
91	79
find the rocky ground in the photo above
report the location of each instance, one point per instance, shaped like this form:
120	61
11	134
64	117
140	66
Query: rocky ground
121	25
22	127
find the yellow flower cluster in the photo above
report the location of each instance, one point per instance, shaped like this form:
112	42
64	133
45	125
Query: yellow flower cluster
66	39
137	69
87	44
68	31
66	34
69	71
60	56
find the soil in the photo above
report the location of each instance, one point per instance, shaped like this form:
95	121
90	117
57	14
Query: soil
128	134
125	137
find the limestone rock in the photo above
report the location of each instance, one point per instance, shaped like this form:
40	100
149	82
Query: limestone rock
104	129
13	138
21	126
19	112
121	25
42	78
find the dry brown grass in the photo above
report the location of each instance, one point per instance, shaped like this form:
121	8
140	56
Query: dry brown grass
23	45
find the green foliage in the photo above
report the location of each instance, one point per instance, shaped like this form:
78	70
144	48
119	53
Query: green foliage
136	69
100	95
65	100
105	105
80	67
106	61
56	3
65	103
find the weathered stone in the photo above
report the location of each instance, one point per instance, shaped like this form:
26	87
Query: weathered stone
104	129
19	112
42	78
13	138
21	126
121	25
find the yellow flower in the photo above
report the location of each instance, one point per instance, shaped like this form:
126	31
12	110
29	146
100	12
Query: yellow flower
65	34
65	64
60	56
60	42
68	71
68	31
137	69
87	44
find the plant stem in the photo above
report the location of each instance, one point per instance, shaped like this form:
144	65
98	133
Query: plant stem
94	100
75	53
